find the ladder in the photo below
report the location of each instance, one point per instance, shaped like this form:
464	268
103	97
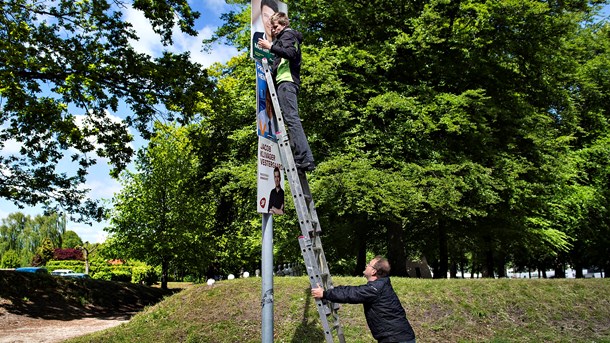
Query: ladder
311	245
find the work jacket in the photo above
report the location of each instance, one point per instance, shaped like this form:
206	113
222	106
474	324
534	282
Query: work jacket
384	313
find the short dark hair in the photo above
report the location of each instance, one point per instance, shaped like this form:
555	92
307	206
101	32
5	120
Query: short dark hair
382	266
280	18
271	4
277	169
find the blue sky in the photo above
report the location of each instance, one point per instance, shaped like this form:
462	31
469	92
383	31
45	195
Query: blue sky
101	185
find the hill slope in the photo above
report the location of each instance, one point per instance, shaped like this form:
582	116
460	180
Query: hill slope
49	297
439	310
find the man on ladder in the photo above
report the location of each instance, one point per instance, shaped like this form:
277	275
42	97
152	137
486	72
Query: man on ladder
286	70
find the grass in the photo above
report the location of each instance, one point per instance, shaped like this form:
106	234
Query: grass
52	297
517	310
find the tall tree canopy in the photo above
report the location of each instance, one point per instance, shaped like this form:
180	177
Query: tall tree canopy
65	66
24	235
456	130
157	217
444	128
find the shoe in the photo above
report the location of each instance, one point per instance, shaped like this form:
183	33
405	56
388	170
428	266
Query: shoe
306	166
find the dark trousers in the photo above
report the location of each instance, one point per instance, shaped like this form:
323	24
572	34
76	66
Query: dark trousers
287	96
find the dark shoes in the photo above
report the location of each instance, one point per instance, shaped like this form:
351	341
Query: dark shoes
306	166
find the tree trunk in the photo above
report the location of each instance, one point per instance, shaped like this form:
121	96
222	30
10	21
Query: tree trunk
396	249
164	273
443	266
501	266
578	269
361	256
560	272
86	253
453	270
489	259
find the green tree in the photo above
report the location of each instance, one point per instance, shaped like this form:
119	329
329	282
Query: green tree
44	253
470	108
156	216
10	259
70	239
12	232
64	66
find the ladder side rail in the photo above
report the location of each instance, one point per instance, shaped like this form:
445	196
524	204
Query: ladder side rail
303	213
309	200
315	279
328	284
311	245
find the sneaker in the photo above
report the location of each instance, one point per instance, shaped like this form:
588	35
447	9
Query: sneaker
306	166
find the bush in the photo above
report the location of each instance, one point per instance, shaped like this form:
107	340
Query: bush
68	254
144	275
76	266
10	259
113	275
103	275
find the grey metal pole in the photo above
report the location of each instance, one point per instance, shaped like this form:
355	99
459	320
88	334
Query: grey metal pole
267	274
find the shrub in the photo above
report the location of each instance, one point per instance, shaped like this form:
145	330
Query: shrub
10	259
76	266
67	254
103	275
113	275
144	274
121	275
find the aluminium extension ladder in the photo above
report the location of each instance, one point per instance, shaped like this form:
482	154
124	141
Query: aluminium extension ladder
311	246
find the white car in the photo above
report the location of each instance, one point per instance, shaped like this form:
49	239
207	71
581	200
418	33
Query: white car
62	272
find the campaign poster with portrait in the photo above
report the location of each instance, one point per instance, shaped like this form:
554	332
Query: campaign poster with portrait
260	27
270	191
266	121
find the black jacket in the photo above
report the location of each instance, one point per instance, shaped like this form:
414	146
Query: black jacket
384	313
287	50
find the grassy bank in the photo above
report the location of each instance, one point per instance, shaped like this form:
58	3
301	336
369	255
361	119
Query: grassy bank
505	310
53	297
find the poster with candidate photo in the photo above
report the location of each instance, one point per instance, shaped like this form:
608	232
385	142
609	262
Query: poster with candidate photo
260	27
270	191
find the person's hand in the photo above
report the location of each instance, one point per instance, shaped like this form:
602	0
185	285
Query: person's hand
317	292
274	210
264	44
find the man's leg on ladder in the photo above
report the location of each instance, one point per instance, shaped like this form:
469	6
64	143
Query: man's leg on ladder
287	96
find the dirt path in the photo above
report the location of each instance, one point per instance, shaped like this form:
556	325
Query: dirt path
40	308
20	328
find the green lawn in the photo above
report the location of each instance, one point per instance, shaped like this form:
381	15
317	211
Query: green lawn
480	310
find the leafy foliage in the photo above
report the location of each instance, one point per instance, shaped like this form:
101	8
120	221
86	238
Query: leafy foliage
67	254
156	217
10	259
65	68
70	239
449	130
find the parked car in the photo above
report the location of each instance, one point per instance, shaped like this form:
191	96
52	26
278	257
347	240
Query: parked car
36	270
76	276
62	272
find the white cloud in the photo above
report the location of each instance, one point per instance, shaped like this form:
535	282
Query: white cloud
92	234
215	6
10	146
150	43
83	121
102	188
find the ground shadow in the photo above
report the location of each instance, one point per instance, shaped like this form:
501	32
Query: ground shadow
310	329
50	297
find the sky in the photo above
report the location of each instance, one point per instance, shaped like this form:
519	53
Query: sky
101	185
